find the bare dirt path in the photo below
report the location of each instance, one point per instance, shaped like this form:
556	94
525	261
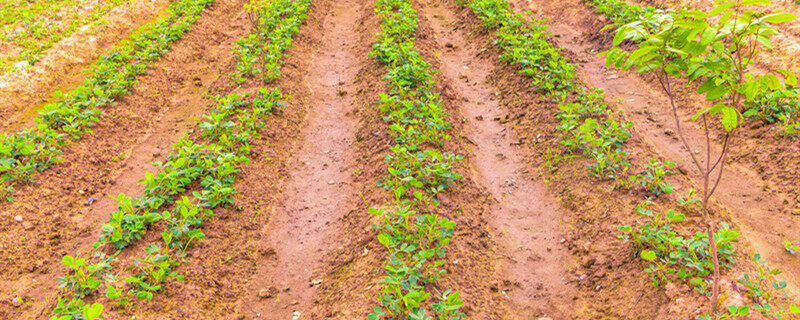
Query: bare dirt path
56	215
523	216
319	188
25	92
760	215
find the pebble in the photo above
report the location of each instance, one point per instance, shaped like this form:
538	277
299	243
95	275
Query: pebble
267	293
296	315
331	182
18	218
27	225
21	64
16	302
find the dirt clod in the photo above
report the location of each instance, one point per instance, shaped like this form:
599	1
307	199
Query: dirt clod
267	292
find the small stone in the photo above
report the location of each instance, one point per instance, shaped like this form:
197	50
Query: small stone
27	225
296	315
21	64
669	132
268	292
18	218
16	302
613	76
331	182
545	318
316	282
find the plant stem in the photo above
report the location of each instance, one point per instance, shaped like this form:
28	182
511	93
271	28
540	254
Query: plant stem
706	192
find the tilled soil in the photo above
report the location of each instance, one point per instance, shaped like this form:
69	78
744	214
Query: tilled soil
318	191
62	211
535	237
25	92
759	206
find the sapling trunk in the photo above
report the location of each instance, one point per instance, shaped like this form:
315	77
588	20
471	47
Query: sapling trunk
708	189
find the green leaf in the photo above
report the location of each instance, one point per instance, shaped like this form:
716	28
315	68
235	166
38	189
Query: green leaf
93	312
794	309
708	36
385	239
716	93
778	18
744	310
730	118
68	261
620	36
771	81
648	255
788	76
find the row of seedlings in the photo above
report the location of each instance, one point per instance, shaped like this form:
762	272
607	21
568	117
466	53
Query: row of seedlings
33	32
589	127
24	153
414	235
211	158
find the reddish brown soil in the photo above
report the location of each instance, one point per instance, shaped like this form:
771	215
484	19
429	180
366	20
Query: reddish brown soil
137	131
762	215
535	237
524	218
318	190
62	68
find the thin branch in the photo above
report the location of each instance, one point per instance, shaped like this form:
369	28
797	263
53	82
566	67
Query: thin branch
678	122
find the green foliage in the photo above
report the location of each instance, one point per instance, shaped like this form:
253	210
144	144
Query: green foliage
273	25
768	292
652	179
414	236
77	309
714	51
84	279
673	257
35	27
27	152
586	121
619	11
210	160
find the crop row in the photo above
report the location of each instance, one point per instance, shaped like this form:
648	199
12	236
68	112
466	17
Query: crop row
33	32
273	23
414	235
24	153
168	203
589	128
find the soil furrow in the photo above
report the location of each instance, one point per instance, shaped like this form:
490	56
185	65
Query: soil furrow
25	92
318	190
759	214
62	212
524	218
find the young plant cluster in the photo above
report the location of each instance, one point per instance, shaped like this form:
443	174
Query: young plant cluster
713	50
36	29
414	235
210	160
673	257
620	11
589	126
586	120
273	25
27	152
